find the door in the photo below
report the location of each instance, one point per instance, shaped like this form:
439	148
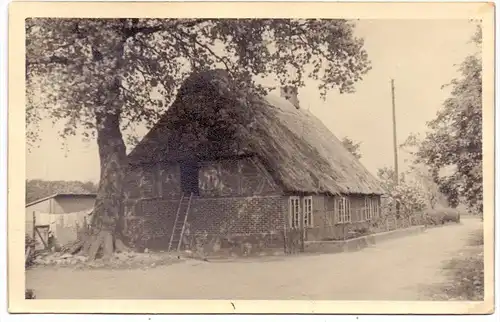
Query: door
41	237
294	234
189	177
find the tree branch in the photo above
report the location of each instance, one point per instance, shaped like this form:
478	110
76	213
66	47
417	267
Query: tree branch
188	23
223	60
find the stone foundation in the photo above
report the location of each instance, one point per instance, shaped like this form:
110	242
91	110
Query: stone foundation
359	243
241	245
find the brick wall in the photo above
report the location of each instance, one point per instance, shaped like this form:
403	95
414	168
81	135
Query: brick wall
239	215
241	226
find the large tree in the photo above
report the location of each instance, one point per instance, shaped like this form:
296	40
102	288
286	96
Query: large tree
452	147
103	76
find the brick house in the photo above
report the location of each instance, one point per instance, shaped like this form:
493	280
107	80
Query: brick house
244	170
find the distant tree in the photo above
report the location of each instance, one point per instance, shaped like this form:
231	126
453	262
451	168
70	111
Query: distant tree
90	186
352	147
452	147
37	189
99	75
386	177
423	177
409	194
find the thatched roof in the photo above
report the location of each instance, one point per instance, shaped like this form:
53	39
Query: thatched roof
211	118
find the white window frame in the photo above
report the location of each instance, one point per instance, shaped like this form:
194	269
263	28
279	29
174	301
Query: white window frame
365	209
370	209
294	212
376	213
307	210
339	217
344	212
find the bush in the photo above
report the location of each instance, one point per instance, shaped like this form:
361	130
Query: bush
29	294
29	243
451	215
434	217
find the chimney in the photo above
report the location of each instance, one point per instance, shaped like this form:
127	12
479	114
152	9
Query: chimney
290	93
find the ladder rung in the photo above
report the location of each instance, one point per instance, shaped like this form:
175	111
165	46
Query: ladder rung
179	223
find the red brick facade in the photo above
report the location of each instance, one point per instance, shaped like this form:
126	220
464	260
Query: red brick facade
240	215
237	199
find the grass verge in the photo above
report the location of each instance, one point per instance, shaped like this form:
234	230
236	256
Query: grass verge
466	271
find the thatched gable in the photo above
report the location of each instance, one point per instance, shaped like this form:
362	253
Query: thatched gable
211	119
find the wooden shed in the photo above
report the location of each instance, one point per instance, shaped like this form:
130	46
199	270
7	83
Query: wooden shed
52	210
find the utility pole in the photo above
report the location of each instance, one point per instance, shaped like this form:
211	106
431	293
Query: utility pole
396	168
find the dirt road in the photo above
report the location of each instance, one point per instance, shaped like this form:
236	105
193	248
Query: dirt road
398	269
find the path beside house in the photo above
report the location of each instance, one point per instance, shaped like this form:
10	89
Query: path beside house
398	269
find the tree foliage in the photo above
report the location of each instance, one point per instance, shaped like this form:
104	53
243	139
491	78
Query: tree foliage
422	176
37	189
353	147
452	147
407	193
74	65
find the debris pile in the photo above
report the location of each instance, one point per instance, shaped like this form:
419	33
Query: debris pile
118	260
58	259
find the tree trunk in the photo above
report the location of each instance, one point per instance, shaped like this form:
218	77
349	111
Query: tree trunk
107	218
107	225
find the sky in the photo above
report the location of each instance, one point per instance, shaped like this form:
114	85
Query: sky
420	55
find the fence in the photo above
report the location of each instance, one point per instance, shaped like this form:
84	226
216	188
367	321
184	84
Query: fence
389	221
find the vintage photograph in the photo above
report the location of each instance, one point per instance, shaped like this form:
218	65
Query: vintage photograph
312	159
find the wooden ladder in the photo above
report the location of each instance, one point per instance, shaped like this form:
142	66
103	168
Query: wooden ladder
180	222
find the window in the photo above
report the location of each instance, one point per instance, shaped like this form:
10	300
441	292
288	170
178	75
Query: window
308	213
344	210
366	209
376	207
369	213
340	211
371	208
294	212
